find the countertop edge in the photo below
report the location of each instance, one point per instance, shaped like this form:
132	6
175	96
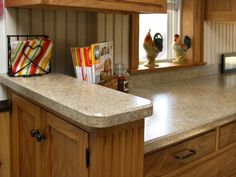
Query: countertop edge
177	137
81	119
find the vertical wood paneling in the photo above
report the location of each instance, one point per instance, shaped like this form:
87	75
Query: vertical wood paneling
125	41
91	28
115	27
72	28
71	40
24	21
49	29
109	27
81	29
220	38
102	27
37	16
60	41
11	27
118	38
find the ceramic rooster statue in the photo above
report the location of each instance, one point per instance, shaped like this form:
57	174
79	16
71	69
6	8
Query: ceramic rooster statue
152	48
181	48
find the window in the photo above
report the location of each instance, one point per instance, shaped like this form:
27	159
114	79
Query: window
166	24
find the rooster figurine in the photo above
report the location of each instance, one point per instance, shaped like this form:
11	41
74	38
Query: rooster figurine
181	48
152	48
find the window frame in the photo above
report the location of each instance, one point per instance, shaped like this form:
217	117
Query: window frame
192	23
170	6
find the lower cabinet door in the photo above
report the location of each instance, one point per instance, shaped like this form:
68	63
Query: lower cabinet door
26	155
65	148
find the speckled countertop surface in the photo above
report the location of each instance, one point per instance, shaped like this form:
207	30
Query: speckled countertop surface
83	103
186	108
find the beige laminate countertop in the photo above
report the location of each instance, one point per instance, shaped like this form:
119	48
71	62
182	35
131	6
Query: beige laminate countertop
186	108
81	102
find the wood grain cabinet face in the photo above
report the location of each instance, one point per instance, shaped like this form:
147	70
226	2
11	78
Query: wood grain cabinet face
167	160
61	153
227	135
220	10
220	166
148	6
25	150
64	149
147	2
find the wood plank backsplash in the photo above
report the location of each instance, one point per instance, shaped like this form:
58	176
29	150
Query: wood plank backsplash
69	28
220	37
74	28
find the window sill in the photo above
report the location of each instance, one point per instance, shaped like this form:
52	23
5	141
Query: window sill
164	66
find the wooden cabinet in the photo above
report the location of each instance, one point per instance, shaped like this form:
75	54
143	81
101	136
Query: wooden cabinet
148	6
4	145
227	134
65	148
212	154
220	10
43	145
220	166
167	160
25	150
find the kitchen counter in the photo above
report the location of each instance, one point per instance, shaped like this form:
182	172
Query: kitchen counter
81	102
182	109
186	108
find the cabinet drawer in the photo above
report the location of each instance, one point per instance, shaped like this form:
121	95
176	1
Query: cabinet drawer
169	159
222	165
227	134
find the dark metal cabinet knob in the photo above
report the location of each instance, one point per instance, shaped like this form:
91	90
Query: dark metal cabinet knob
39	137
32	133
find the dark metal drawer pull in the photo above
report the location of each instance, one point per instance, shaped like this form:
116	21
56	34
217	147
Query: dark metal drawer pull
185	154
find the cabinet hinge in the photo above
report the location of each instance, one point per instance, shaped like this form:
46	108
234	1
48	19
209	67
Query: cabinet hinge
87	158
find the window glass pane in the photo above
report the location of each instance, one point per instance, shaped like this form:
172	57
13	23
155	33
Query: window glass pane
157	23
171	1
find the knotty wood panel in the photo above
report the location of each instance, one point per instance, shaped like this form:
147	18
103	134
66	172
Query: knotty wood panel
4	145
120	149
164	161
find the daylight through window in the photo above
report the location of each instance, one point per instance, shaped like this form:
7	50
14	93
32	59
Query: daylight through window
166	24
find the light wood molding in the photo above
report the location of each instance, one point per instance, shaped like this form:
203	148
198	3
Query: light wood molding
142	6
134	42
193	26
4	144
120	150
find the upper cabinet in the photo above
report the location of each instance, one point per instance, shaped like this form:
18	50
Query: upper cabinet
141	6
220	10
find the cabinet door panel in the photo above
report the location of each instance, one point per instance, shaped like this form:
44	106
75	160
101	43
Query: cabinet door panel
150	2
65	148
26	151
